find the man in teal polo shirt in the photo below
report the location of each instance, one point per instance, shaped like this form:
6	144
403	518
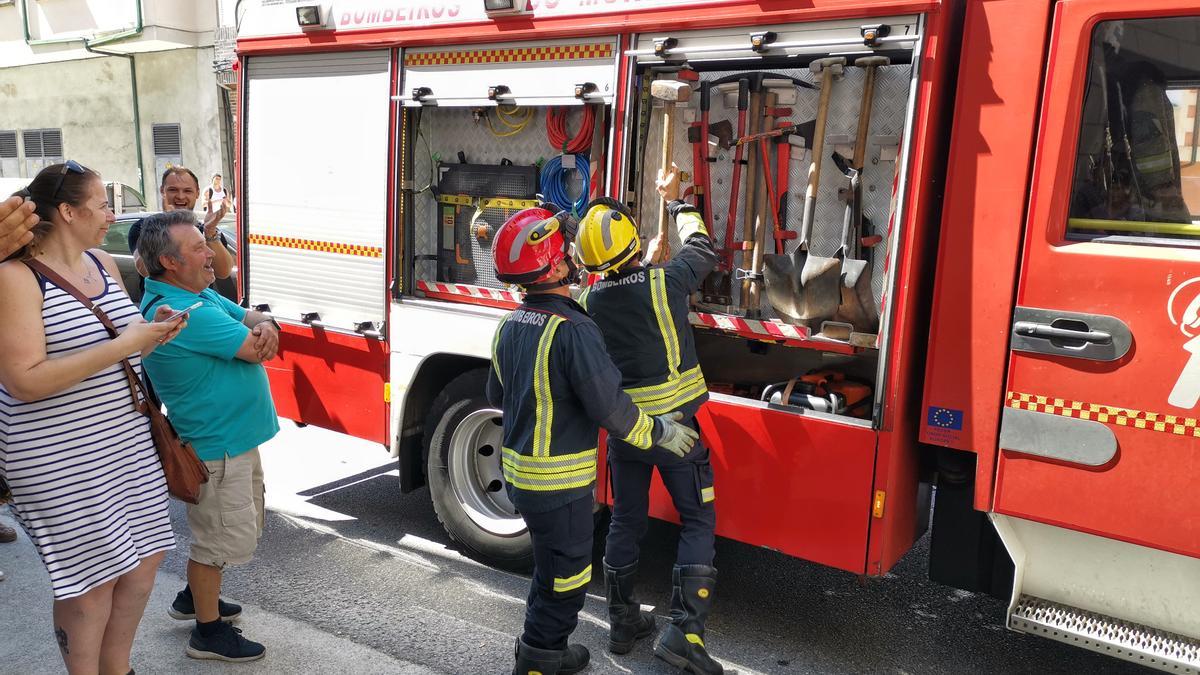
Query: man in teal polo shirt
214	386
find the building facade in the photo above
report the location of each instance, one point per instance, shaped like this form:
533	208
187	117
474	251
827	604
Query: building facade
82	79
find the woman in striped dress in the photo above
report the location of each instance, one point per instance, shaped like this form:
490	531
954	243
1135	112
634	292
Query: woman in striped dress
86	482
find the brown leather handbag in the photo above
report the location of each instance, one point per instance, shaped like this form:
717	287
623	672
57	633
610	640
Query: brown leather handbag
184	471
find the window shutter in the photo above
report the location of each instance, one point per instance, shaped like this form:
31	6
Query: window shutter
8	145
167	139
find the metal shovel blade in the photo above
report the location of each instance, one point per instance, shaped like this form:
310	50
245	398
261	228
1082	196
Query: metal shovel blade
858	302
802	288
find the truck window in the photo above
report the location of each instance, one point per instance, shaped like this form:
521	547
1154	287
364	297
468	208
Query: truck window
1137	169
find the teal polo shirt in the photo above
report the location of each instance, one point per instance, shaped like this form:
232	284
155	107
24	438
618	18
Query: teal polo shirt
217	402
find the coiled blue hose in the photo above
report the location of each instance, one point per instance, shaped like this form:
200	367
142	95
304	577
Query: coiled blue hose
554	183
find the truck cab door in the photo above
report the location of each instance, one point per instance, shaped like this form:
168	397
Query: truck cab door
1100	431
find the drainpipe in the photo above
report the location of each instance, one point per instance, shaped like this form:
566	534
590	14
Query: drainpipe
137	115
90	44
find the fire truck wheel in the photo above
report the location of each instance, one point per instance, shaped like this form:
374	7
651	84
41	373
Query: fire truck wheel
465	479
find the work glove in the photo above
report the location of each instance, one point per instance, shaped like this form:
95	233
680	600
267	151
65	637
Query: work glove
677	438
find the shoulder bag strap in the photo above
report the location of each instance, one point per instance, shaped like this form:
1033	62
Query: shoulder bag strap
44	270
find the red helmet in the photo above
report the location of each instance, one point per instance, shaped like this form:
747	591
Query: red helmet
528	247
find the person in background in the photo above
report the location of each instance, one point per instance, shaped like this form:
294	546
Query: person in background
215	197
213	382
76	452
180	189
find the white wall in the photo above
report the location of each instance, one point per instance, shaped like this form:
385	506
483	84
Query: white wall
90	101
167	24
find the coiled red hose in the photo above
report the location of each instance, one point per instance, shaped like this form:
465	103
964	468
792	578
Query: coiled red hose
556	129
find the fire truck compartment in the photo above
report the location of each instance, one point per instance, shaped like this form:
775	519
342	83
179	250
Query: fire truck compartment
503	131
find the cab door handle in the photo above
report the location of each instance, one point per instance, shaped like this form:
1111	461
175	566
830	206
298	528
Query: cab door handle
1049	332
1078	335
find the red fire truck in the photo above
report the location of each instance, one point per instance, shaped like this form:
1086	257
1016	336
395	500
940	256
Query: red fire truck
959	246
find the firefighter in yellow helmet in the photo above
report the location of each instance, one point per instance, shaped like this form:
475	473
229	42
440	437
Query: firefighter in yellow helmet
643	314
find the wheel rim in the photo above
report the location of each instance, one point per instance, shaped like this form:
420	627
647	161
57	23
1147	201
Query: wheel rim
476	476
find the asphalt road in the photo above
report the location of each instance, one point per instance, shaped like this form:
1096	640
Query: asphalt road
346	552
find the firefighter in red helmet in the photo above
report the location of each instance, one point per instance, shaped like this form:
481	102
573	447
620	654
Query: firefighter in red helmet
556	386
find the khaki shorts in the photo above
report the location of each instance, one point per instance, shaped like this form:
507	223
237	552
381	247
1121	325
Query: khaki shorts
228	521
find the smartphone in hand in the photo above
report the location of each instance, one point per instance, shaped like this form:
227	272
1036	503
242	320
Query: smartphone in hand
181	312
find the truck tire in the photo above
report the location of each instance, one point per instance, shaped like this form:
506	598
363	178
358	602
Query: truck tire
466	483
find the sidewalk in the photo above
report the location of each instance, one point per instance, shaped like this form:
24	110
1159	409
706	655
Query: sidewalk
27	645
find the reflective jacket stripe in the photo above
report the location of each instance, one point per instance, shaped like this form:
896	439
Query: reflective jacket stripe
547	465
666	325
544	412
571	583
686	393
550	482
654	392
495	345
641	436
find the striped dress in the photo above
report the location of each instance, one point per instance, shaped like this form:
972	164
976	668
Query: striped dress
87	485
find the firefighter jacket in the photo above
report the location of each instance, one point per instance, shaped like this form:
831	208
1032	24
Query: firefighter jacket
643	314
557	387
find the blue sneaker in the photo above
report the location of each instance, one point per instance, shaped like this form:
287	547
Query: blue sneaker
225	644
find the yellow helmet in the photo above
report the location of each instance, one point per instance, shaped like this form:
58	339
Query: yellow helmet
608	236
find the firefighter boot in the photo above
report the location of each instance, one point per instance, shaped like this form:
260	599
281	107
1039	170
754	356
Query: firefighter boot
567	661
682	642
628	623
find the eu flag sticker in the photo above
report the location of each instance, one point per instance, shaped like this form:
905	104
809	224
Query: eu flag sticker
944	418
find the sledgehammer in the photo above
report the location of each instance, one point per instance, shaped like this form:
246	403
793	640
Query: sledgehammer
670	92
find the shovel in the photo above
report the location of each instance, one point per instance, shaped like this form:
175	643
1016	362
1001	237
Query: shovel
858	301
858	304
804	288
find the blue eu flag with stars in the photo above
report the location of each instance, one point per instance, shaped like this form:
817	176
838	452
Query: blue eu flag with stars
944	418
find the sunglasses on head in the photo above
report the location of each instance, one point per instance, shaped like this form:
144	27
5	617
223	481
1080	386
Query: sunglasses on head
71	166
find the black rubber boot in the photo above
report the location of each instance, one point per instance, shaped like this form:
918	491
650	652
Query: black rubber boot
627	622
682	642
531	660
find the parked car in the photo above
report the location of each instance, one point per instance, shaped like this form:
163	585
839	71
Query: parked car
122	198
116	244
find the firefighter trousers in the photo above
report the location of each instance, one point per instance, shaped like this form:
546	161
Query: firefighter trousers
562	568
690	485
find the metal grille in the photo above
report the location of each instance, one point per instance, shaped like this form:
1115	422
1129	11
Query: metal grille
52	143
8	144
488	181
1134	642
167	139
887	123
42	143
